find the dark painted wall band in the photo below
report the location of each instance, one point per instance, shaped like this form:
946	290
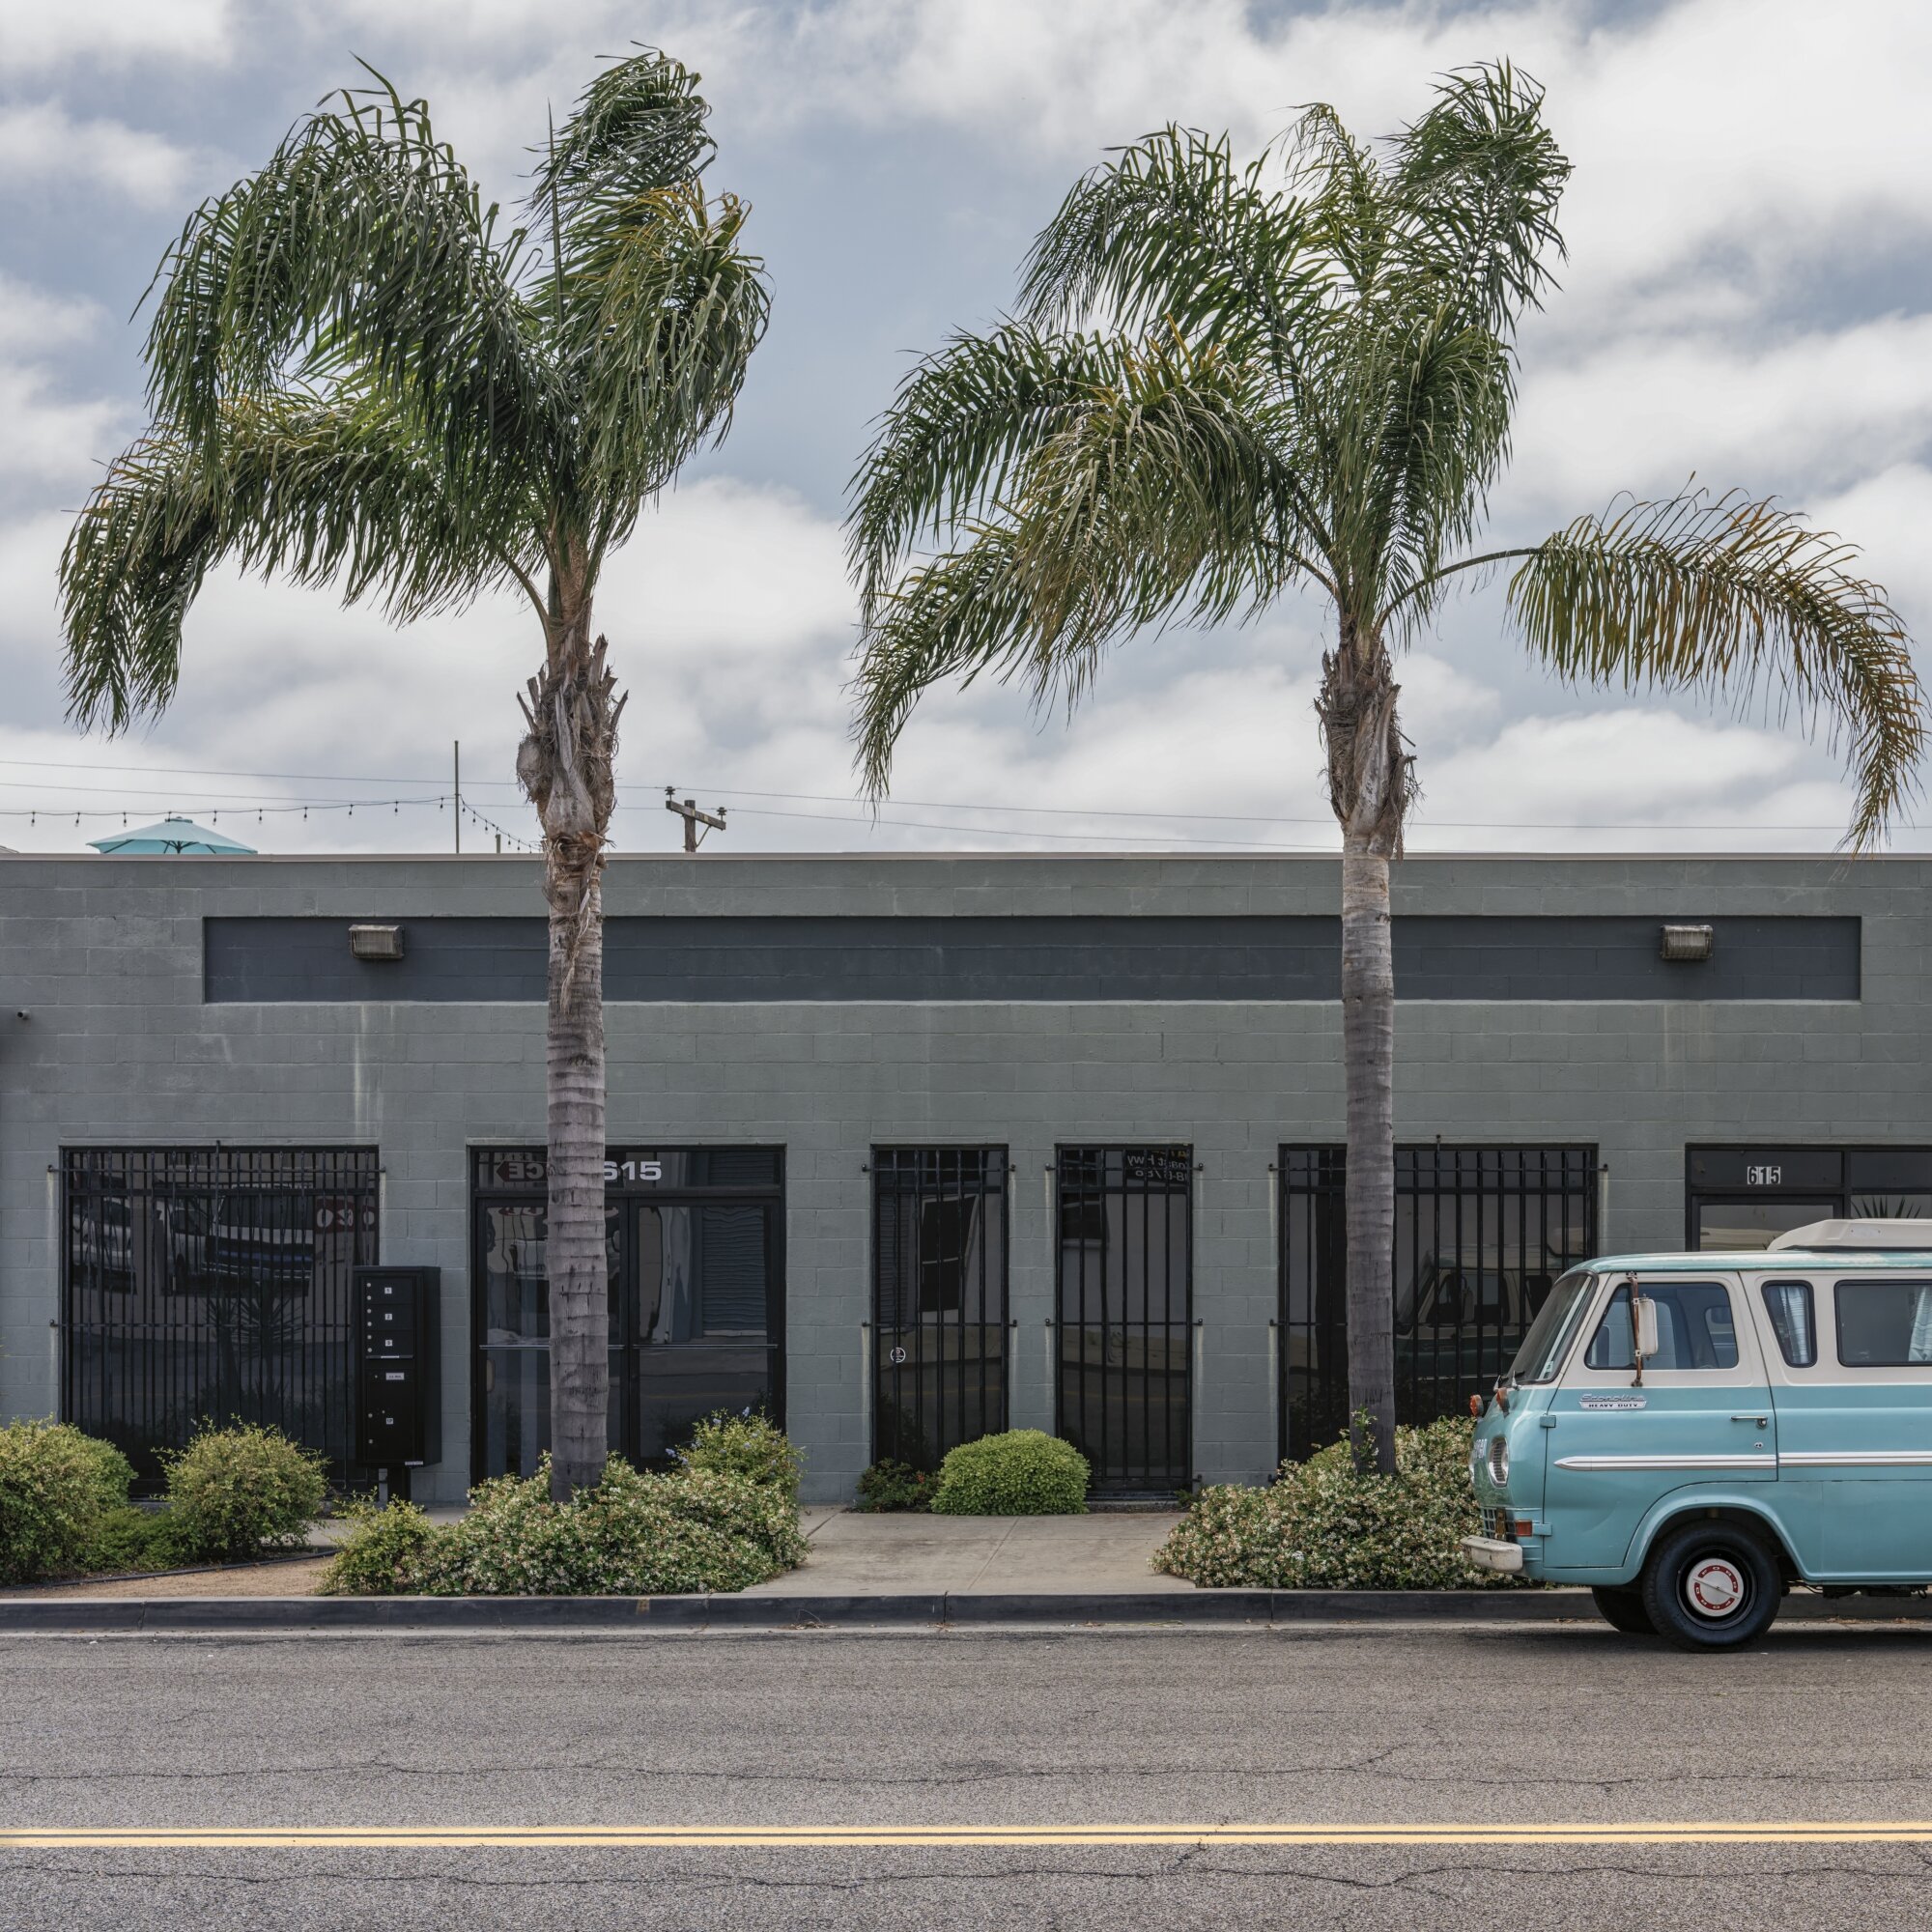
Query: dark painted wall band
1146	959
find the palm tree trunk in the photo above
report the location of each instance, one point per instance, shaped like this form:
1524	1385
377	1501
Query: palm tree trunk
1368	1061
565	765
579	1318
1369	790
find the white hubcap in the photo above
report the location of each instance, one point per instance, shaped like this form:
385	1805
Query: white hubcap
1714	1587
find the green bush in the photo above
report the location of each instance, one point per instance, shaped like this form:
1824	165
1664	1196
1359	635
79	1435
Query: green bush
235	1492
56	1486
131	1538
890	1485
1023	1473
748	1446
1321	1526
382	1552
629	1535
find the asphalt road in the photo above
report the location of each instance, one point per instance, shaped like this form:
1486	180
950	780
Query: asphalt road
1501	1744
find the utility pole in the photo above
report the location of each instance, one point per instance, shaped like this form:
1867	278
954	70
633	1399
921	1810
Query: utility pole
693	818
456	816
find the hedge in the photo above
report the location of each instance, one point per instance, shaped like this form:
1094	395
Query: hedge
1321	1526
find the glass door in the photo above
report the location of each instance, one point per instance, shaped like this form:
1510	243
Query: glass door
702	1335
695	1240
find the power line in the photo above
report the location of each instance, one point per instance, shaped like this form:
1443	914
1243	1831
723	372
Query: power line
279	802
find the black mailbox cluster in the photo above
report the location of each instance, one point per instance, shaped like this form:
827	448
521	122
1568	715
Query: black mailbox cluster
398	1388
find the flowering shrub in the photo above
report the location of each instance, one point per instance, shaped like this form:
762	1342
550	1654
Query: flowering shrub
1023	1473
235	1492
1321	1526
380	1554
748	1445
629	1535
890	1485
57	1487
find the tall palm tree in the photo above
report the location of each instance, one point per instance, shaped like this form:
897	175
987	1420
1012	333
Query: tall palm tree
1224	382
358	377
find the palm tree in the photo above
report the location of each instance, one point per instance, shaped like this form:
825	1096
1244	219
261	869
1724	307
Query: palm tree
1226	382
357	377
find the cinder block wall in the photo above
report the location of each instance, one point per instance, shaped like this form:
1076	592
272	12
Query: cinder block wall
119	1048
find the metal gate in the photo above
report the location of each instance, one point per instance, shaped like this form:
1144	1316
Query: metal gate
211	1283
1481	1233
1124	1267
939	1299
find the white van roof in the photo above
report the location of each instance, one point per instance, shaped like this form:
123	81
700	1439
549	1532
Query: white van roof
1823	1236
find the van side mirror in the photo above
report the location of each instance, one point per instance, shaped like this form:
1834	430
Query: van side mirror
1644	1311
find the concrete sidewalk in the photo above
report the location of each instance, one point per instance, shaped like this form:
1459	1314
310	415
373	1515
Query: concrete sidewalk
859	1555
852	1555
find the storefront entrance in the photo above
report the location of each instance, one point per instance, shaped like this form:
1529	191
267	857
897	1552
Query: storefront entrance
694	1238
1737	1198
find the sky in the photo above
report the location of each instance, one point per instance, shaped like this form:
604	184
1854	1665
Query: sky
1748	300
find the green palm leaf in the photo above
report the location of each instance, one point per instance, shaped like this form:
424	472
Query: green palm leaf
1724	595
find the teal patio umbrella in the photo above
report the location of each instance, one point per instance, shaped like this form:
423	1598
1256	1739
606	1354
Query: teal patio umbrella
173	835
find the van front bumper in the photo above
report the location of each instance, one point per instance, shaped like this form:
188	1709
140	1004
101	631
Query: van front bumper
1491	1552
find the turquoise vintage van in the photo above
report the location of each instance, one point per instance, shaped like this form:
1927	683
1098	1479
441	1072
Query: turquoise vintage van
1691	1435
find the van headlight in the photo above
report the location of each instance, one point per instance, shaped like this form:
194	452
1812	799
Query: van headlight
1499	1461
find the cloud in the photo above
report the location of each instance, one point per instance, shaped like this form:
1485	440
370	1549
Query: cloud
1636	778
1641	413
39	140
111	32
36	321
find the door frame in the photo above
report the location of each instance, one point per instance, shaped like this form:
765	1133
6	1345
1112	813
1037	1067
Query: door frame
675	1195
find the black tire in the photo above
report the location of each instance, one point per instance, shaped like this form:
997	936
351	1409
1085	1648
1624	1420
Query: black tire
1711	1586
1624	1611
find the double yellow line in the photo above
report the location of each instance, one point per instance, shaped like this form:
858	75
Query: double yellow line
932	1837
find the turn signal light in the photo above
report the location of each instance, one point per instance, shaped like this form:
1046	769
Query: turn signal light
1524	1527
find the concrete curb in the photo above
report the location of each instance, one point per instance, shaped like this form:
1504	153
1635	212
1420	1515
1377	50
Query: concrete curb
786	1612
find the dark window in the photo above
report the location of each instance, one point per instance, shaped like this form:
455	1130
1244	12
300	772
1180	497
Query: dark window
213	1283
1481	1236
939	1299
1885	1324
1793	1321
1694	1329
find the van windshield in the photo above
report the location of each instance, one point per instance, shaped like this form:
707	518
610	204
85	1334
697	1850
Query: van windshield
1553	1330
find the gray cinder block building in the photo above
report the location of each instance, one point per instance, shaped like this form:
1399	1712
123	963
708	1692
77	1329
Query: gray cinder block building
909	1147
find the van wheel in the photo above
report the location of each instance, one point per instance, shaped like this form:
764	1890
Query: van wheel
1624	1611
1710	1587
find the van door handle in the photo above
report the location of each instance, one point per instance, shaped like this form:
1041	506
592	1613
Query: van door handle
1762	1421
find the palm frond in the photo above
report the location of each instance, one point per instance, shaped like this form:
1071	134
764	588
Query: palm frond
949	446
663	309
1432	397
361	246
1172	231
1155	496
1477	182
954	616
638	128
1338	183
310	489
1711	594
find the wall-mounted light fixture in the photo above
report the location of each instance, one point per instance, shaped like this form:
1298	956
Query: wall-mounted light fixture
1688	942
376	941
